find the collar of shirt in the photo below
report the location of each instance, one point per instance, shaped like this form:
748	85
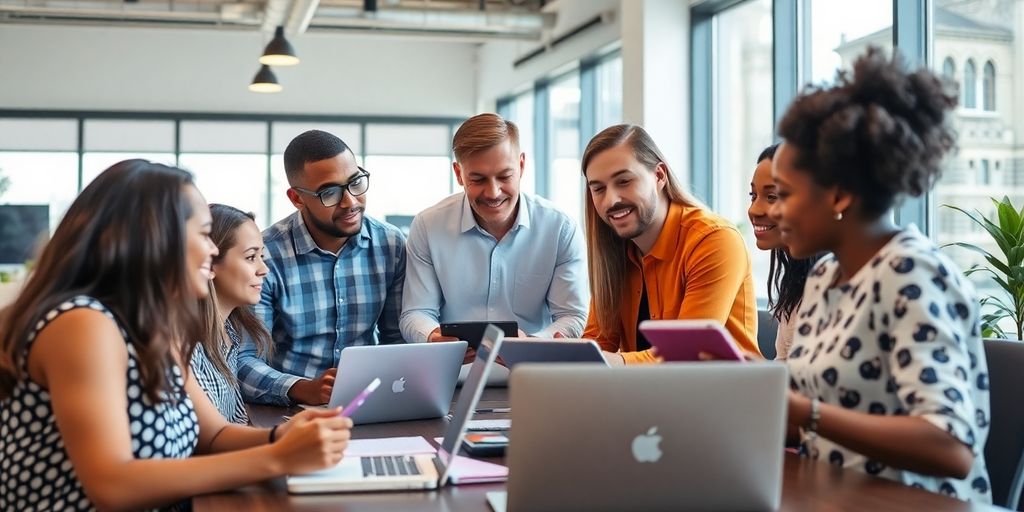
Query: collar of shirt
469	220
304	241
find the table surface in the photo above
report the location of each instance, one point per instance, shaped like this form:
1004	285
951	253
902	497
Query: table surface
806	485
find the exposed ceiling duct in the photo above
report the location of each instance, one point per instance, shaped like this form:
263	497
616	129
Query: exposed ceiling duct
474	19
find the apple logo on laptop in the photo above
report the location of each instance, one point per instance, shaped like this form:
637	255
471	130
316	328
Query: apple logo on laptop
645	446
398	386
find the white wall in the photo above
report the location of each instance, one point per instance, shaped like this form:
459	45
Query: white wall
498	76
106	68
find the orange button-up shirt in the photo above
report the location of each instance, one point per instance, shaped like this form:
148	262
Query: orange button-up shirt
698	268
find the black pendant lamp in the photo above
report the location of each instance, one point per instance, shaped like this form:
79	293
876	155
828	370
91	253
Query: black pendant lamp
265	81
279	51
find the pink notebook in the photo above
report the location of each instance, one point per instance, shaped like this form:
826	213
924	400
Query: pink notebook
465	470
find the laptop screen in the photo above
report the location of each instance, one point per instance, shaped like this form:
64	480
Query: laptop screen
486	353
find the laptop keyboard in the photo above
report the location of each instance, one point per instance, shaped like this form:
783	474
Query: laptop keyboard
391	465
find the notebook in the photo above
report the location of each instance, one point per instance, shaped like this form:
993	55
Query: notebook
418	470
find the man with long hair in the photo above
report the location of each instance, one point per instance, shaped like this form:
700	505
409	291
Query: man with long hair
493	252
655	252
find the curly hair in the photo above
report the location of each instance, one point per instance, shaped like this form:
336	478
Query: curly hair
879	133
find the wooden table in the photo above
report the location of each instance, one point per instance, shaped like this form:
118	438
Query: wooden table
806	485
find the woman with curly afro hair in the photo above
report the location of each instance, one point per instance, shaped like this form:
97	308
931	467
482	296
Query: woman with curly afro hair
888	374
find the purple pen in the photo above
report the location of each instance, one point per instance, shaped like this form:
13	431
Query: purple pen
360	398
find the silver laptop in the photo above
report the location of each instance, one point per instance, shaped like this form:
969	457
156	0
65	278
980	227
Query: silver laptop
418	380
404	472
553	350
689	436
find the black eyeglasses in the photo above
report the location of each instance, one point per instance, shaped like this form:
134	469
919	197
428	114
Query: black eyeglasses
331	195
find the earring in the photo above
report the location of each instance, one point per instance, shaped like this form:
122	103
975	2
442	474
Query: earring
839	216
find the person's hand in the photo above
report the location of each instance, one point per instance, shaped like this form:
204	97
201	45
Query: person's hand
316	391
522	334
798	412
558	334
613	358
435	335
316	439
470	355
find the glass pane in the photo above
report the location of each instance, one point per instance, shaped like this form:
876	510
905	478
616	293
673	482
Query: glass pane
40	178
521	113
408	139
223	137
609	93
841	29
743	116
119	135
237	180
402	186
979	38
566	181
39	134
95	163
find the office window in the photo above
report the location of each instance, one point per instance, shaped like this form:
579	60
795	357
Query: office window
229	162
949	68
988	87
609	93
841	30
281	134
39	163
108	141
977	30
521	113
970	86
742	113
410	169
565	180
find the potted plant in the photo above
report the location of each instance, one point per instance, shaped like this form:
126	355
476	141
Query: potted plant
1007	231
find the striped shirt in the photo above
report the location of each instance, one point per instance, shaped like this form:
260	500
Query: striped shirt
315	303
223	392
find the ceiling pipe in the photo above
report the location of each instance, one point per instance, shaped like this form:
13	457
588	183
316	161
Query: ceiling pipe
301	15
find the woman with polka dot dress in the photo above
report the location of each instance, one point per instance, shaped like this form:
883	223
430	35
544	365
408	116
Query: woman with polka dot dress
96	411
887	367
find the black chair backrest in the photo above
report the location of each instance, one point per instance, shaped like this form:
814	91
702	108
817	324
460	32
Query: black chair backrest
767	328
1004	450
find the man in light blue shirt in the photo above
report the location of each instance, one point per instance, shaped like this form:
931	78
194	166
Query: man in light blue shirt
492	252
335	277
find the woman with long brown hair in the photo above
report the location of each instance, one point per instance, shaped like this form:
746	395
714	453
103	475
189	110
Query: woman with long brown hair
95	409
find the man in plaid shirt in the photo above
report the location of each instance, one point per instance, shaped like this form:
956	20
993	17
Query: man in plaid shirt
335	277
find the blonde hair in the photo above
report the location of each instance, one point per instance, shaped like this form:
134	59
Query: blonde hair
606	251
482	132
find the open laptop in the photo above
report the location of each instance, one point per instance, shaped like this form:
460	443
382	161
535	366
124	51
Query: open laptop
690	436
404	472
550	350
418	380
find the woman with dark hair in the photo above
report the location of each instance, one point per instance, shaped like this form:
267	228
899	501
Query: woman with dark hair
887	366
235	284
786	274
95	409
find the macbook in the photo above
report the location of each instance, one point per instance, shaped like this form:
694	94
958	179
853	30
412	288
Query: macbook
404	472
417	380
682	436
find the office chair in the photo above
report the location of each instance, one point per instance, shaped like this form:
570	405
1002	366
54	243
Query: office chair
767	328
1004	450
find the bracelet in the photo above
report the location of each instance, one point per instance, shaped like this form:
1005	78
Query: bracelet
273	433
812	422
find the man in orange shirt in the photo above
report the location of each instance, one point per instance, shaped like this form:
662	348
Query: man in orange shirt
655	252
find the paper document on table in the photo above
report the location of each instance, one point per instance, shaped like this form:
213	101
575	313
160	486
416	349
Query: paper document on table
388	446
489	425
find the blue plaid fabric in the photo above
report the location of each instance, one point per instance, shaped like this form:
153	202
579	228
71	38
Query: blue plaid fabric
316	303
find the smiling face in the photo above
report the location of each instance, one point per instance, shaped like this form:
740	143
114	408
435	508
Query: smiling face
491	179
340	221
238	273
199	249
626	195
805	211
762	197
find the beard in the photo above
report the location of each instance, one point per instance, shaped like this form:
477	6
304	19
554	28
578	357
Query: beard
645	217
332	229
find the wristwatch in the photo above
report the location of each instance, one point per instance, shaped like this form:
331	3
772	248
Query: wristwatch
812	422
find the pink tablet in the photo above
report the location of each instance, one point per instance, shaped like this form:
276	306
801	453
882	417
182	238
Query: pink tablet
682	340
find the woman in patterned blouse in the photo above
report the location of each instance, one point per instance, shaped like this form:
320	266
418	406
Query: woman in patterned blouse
236	280
95	409
887	366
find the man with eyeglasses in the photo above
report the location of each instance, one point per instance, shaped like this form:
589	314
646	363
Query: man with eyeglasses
335	277
493	252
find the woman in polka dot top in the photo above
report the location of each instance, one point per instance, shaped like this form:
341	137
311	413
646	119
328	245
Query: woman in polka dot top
887	366
95	408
